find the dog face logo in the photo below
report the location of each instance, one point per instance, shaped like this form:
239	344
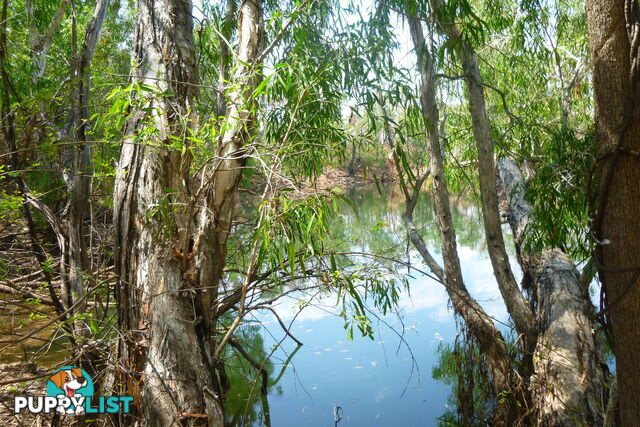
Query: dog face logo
69	380
72	383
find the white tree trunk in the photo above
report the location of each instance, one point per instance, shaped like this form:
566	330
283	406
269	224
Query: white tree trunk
160	314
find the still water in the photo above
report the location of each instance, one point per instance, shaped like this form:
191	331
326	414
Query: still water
386	381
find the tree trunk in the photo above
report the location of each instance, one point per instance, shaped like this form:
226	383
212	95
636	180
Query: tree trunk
224	39
568	378
171	241
614	27
516	303
220	181
568	384
78	170
160	314
40	43
505	382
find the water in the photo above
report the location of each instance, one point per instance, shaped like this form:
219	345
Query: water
386	381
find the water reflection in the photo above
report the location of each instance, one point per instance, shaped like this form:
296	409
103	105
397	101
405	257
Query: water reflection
385	381
250	375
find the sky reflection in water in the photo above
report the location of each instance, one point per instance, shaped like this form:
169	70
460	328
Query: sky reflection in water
377	382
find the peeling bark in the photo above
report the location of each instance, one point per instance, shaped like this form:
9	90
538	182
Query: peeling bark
171	239
160	313
568	384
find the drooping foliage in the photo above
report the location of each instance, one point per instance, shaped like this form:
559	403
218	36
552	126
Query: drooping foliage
335	85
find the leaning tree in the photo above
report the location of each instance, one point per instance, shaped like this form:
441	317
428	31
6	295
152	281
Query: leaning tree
558	374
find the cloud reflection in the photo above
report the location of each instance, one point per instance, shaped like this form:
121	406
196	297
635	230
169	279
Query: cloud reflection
425	294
